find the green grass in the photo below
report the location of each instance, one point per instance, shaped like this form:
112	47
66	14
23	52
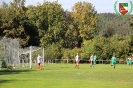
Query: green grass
66	76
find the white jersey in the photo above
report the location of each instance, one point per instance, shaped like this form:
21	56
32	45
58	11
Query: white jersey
91	58
77	58
39	59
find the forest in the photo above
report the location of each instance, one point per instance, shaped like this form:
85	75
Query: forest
64	33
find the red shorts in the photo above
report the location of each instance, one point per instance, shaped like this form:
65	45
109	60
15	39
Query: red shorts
39	66
77	62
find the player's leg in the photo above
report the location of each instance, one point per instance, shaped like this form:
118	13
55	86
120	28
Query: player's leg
91	64
114	65
76	65
130	64
39	66
94	63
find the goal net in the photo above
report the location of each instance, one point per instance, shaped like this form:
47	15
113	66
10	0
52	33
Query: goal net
28	55
13	55
9	51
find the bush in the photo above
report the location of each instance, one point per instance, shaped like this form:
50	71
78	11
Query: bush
53	52
4	64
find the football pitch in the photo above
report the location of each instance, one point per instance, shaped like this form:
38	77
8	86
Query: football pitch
66	76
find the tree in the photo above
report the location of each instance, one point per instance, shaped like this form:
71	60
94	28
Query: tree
85	17
120	25
15	23
71	39
109	32
3	10
131	34
31	14
50	22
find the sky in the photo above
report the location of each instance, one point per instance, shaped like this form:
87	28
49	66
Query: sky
101	6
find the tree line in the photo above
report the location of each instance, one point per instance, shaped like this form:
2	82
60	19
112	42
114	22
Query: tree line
64	33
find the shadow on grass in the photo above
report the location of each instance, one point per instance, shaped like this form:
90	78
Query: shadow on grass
5	81
12	72
6	72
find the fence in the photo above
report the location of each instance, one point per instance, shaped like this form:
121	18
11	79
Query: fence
72	61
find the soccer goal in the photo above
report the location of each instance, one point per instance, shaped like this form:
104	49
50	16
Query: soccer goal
28	55
9	52
13	56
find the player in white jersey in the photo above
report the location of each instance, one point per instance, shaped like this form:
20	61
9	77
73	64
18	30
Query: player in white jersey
91	60
39	59
77	61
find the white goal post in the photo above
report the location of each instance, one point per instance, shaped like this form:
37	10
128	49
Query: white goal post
30	50
13	55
